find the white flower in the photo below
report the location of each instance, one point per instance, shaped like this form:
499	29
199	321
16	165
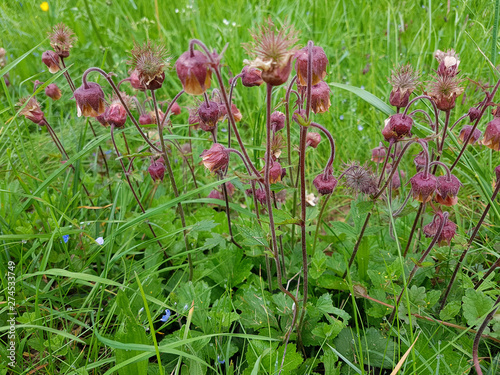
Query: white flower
99	240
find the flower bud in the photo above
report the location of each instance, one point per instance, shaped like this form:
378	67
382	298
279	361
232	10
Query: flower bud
230	189
325	184
215	194
194	72
401	124
313	139
31	110
399	98
175	109
51	59
102	120
216	158
209	114
89	100
319	62
275	173
157	170
146	119
396	179
497	173
379	153
136	82
115	114
53	92
320	97
260	195
449	229
236	112
491	137
277	121
194	120
447	190
474	113
251	77
278	75
423	187
464	134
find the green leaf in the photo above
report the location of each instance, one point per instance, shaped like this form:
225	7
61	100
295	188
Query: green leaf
476	305
367	97
253	236
255	308
341	227
450	310
129	331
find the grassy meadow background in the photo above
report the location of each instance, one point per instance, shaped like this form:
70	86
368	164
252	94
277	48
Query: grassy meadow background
81	305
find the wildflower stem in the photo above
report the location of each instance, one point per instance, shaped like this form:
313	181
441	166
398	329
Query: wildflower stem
228	214
436	113
302	171
469	244
125	172
479	333
458	121
419	262
358	243
391	143
318	225
268	200
332	146
413	228
172	182
233	85
287	121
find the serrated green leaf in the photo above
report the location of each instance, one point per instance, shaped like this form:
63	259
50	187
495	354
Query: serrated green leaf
450	310
475	306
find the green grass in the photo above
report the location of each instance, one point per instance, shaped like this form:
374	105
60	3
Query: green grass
80	304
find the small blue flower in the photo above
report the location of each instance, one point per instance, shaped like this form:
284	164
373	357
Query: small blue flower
66	238
220	361
360	127
166	317
341	117
99	240
108	152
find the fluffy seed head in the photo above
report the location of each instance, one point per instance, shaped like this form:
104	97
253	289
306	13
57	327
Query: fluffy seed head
444	90
62	39
149	60
272	49
360	179
403	80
